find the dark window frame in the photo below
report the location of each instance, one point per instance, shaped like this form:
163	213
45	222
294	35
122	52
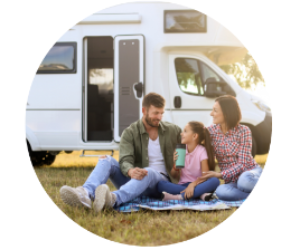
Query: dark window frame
69	71
203	30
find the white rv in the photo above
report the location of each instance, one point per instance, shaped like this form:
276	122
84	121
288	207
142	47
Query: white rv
90	85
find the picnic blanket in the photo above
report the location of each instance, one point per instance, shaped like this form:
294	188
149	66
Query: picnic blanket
145	202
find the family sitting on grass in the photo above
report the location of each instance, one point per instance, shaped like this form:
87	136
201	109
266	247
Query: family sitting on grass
147	160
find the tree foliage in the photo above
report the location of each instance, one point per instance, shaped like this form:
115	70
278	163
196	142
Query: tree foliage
245	71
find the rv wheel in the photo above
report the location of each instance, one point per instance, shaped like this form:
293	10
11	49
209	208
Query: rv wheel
37	158
49	159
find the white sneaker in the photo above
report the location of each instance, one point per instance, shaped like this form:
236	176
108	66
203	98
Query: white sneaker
103	198
76	197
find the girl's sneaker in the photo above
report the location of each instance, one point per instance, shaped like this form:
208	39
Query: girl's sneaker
208	196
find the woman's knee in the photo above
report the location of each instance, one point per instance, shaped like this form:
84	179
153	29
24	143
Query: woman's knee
224	191
247	181
221	191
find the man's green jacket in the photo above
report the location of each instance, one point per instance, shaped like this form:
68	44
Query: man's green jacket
134	146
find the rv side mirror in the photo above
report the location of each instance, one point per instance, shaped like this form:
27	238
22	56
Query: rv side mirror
214	89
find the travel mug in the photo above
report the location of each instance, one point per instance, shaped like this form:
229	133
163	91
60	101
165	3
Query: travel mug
181	150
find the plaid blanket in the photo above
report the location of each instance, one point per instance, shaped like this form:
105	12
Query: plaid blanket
193	204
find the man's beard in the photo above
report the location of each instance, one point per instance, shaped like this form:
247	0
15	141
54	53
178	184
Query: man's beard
149	121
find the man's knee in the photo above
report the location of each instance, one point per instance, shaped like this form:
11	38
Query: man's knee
104	158
150	173
152	177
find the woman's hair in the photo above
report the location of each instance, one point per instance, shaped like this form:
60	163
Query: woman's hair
203	135
230	109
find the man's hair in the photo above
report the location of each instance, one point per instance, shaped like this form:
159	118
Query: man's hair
153	99
231	110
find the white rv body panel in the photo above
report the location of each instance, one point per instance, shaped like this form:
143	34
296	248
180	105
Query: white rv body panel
57	106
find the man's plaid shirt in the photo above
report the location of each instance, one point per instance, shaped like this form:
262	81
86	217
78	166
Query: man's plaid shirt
233	151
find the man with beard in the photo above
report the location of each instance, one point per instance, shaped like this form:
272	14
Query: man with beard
146	157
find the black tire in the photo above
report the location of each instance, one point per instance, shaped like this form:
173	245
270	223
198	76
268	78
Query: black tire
254	147
49	159
39	158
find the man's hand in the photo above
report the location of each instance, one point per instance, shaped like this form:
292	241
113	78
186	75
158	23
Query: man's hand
137	173
189	191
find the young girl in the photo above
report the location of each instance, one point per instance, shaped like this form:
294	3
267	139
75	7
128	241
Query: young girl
199	159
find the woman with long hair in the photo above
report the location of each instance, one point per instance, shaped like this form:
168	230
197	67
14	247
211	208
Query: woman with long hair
232	144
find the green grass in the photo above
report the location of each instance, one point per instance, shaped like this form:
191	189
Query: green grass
142	228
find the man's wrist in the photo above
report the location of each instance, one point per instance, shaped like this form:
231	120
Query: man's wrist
129	171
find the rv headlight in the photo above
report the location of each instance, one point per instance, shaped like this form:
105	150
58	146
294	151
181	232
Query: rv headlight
262	106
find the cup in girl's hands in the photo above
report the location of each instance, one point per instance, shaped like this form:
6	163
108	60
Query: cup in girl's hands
181	150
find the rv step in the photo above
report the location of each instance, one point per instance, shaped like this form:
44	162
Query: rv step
83	155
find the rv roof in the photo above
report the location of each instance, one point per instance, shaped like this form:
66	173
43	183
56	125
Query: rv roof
112	18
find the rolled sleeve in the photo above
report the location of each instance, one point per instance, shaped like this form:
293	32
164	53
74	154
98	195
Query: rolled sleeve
231	174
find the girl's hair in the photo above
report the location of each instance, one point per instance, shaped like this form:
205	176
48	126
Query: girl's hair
203	134
230	109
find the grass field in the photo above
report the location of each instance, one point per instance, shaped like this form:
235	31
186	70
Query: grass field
143	228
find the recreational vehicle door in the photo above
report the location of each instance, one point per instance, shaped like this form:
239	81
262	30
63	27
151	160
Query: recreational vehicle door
128	81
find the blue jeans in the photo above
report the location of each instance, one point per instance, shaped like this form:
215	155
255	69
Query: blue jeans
128	188
208	186
240	190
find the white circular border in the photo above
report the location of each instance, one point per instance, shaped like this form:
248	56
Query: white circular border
268	29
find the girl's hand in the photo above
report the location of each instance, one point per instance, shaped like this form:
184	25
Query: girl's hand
189	191
211	174
175	156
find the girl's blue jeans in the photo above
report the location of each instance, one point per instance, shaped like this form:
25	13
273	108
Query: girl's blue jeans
128	188
208	186
241	189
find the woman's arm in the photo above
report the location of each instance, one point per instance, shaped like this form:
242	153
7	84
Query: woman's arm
244	156
206	174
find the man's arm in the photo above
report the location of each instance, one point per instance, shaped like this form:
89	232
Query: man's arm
126	158
178	134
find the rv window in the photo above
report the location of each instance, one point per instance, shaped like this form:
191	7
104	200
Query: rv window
61	58
209	73
188	76
179	21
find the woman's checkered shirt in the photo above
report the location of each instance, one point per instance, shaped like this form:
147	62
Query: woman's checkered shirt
233	151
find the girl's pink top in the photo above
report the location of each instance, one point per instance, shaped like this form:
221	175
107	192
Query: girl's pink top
192	166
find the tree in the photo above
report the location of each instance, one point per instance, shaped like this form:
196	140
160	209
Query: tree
245	71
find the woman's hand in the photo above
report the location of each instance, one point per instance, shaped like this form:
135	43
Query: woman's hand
211	174
189	191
